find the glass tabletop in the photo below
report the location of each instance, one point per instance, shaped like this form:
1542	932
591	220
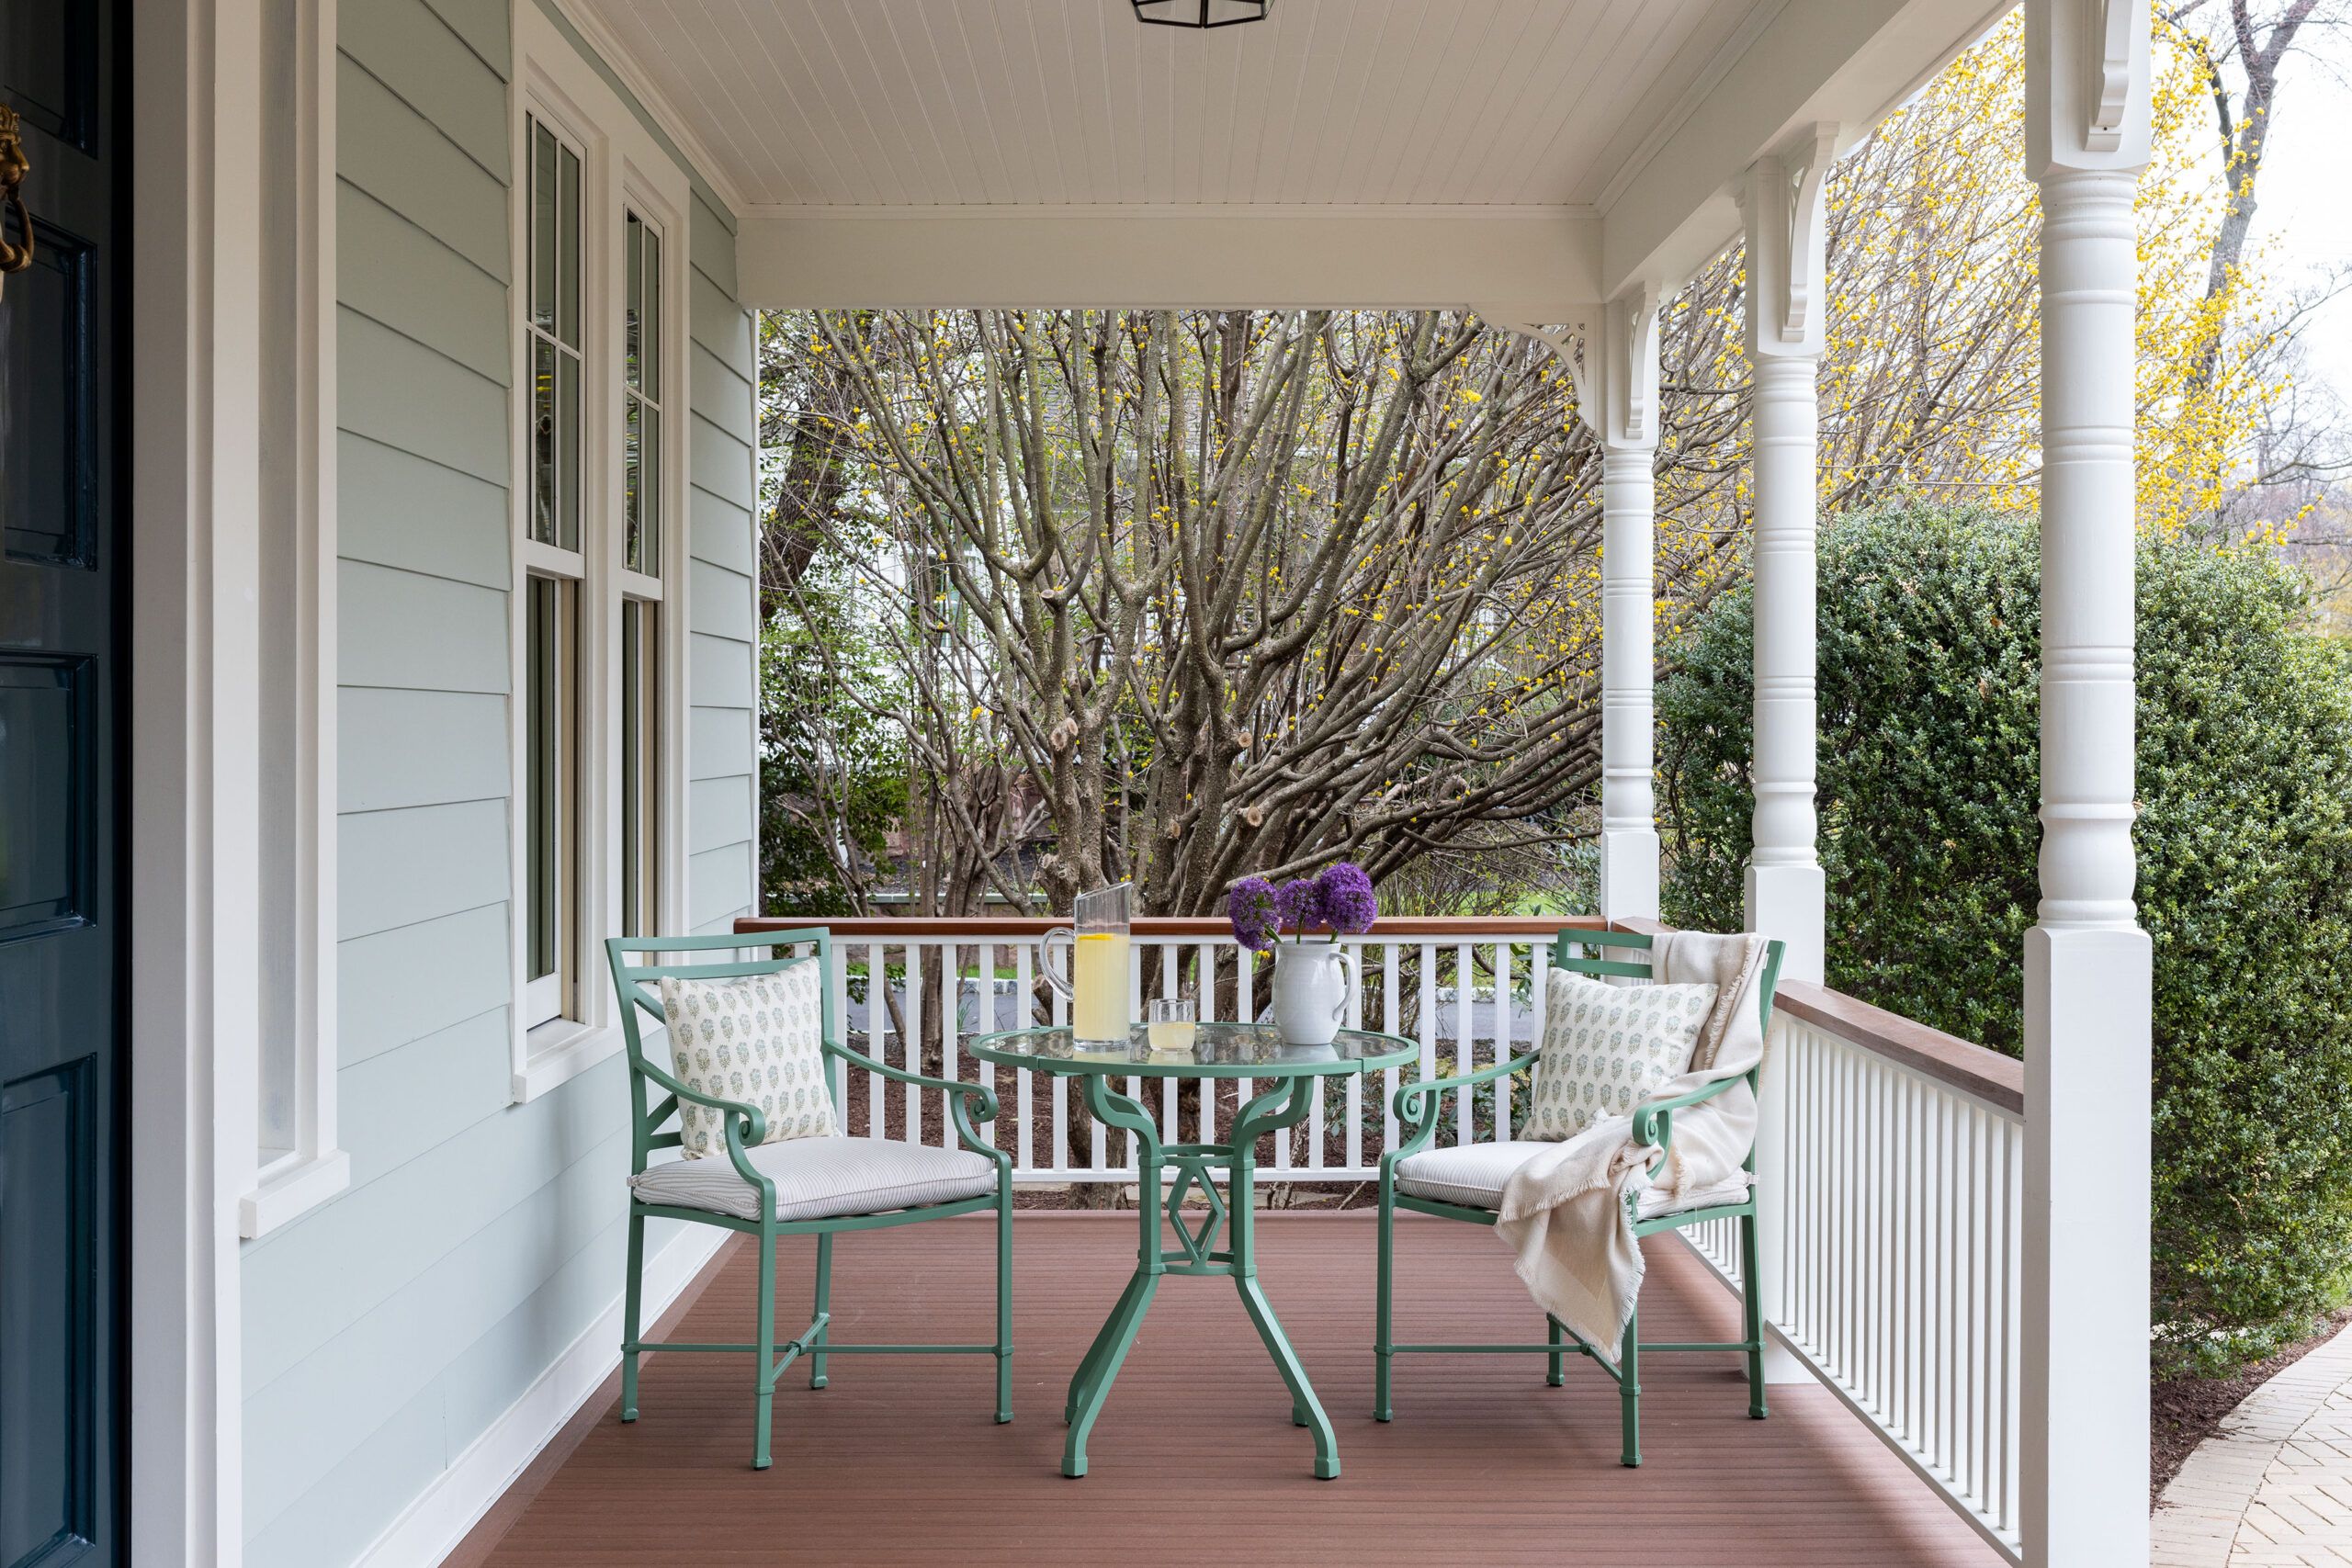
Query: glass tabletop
1218	1051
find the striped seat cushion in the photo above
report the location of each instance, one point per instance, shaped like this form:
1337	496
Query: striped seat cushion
1474	1178
823	1179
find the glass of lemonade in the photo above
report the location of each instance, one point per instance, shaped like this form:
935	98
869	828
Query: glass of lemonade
1169	1025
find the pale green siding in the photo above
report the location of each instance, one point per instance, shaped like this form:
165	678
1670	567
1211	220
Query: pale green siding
386	1331
722	593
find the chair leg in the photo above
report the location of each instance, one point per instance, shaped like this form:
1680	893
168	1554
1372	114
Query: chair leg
824	1305
1751	1293
1004	1295
631	1299
1384	1334
1629	1389
764	1385
1556	1373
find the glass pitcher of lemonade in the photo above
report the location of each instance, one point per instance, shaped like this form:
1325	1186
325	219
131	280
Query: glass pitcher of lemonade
1096	985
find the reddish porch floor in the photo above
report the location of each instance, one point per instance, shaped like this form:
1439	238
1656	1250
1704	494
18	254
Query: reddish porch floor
1195	1458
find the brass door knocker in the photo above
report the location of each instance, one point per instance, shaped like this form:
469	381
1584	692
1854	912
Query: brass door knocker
13	167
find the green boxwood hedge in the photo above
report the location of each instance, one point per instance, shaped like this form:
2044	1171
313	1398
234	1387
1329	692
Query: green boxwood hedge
1929	642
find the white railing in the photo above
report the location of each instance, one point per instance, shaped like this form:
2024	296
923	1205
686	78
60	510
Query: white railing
1891	1157
1900	1228
1464	989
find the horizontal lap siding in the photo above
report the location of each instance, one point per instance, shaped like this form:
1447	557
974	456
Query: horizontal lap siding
722	594
386	1331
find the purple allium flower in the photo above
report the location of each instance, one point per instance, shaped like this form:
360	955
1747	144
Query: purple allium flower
1344	891
1251	904
1298	905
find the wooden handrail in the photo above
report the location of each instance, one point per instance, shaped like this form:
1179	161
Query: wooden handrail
1946	1058
1013	928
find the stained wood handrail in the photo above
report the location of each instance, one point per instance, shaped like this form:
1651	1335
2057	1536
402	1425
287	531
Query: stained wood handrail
1946	1058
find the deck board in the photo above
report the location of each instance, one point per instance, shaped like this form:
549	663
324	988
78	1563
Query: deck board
1195	1457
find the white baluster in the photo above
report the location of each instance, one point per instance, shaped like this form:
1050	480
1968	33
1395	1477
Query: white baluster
1023	977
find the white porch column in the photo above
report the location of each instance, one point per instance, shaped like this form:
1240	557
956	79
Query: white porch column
1780	202
1617	397
2086	988
1781	208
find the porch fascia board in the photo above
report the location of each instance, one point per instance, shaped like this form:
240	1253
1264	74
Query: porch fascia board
1666	215
1529	263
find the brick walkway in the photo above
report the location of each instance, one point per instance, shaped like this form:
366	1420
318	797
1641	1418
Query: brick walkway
2274	1485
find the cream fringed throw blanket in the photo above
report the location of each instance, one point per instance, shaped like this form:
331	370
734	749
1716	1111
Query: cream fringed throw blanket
1567	1213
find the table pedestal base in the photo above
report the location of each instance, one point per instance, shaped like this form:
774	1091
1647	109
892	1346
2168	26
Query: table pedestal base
1195	1252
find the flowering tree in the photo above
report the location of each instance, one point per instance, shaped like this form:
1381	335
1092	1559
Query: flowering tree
1227	589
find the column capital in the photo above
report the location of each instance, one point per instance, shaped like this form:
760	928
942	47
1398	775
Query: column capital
2088	86
1785	220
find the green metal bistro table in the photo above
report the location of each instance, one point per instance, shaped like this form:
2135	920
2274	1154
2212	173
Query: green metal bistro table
1254	1050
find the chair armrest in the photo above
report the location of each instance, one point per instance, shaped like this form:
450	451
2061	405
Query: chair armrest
1416	1103
1653	1122
964	1098
741	1123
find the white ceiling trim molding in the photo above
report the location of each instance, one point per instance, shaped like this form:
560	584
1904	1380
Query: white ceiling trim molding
676	126
1531	263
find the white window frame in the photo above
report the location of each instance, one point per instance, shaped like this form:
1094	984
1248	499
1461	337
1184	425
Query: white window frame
662	203
622	168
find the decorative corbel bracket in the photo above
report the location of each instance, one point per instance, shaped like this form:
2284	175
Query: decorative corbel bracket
1632	338
2107	62
1614	369
1569	345
1783	206
1808	230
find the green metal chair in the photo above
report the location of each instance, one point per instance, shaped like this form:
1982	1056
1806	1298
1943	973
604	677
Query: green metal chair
839	1184
1416	1116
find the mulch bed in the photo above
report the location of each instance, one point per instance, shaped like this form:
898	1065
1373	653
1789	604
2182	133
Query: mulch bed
2184	1411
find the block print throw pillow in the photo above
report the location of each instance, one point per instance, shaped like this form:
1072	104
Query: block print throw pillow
756	1039
1606	1048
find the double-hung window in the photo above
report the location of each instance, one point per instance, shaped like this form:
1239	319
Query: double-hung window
556	574
642	463
598	818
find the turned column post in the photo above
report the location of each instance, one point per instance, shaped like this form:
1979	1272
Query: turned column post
1617	398
1780	204
2085	1359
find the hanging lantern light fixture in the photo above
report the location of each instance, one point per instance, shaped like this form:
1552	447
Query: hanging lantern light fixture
1201	13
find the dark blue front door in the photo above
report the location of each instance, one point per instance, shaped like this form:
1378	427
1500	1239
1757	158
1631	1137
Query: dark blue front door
62	950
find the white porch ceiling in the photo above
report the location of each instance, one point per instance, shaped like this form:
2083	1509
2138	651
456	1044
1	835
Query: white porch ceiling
934	103
1526	158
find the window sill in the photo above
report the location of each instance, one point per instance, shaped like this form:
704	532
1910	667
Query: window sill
291	1191
559	1051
